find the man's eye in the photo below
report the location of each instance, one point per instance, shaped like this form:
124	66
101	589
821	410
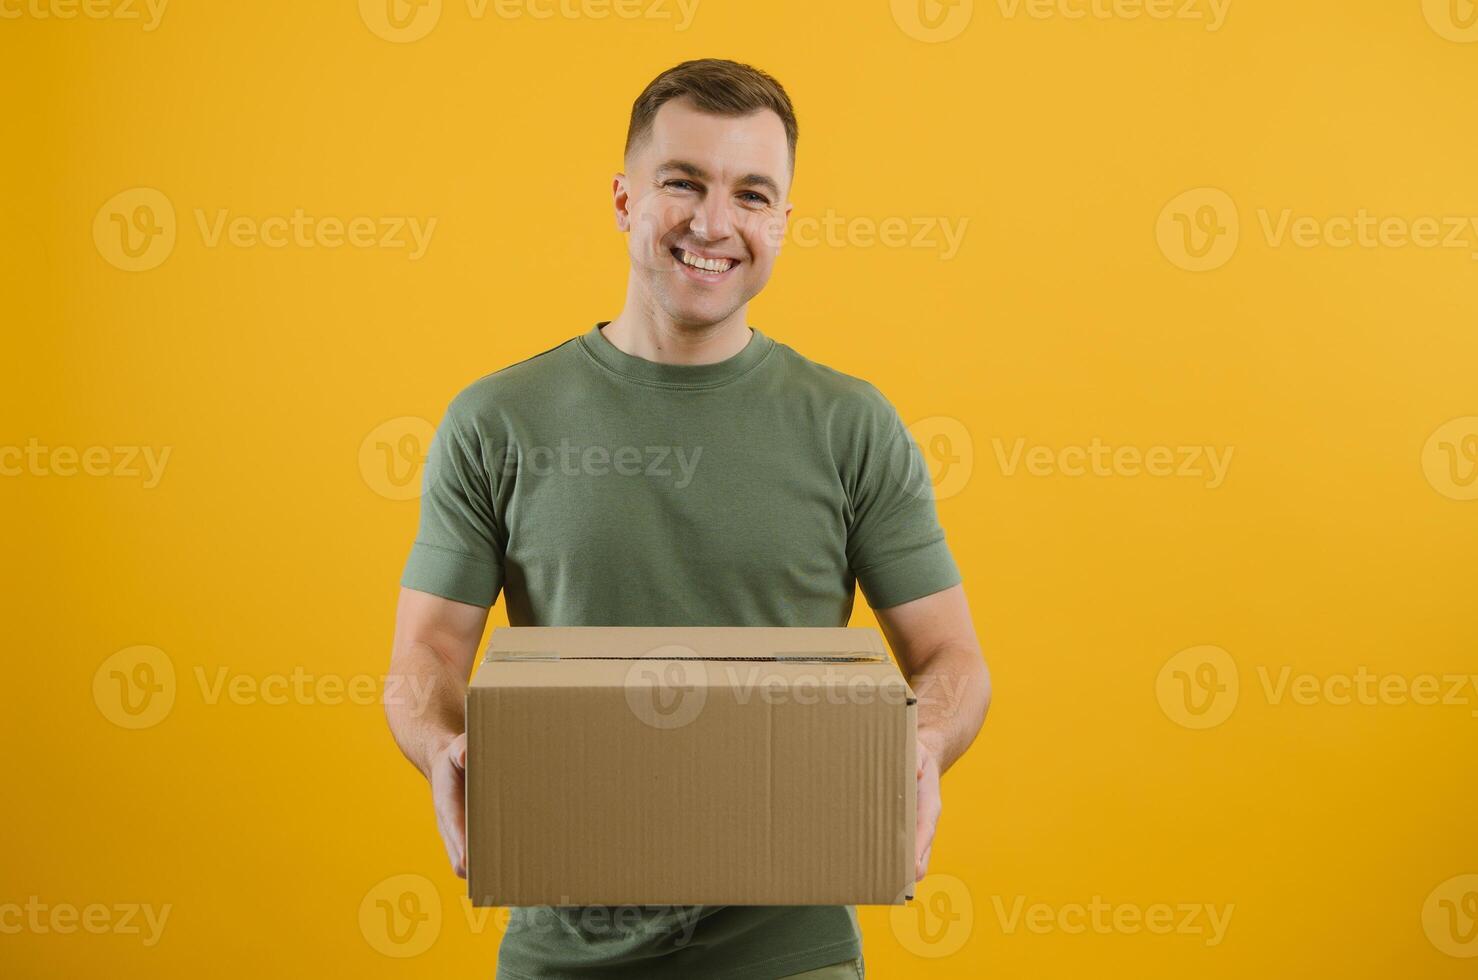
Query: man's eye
757	198
670	183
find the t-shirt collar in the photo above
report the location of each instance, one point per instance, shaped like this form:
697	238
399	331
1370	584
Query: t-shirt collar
610	356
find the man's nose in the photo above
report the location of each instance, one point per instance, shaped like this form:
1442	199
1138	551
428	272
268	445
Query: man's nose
711	220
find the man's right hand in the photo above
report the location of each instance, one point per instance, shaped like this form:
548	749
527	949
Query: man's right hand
448	793
435	646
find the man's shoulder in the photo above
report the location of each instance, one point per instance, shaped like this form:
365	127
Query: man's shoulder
848	395
526	379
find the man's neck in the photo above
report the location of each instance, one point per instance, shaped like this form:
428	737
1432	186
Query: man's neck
657	338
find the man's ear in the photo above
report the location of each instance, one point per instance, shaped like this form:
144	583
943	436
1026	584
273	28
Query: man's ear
620	200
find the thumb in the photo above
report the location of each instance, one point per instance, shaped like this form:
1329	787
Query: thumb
459	751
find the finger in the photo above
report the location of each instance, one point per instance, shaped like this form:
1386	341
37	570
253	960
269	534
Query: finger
454	851
927	825
934	809
451	815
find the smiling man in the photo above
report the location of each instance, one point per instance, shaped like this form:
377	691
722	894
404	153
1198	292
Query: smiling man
801	484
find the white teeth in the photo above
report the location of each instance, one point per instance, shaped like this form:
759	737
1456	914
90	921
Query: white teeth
707	265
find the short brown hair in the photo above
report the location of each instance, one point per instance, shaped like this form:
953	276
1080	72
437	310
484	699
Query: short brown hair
724	88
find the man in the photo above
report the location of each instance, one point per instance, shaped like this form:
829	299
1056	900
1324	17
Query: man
675	467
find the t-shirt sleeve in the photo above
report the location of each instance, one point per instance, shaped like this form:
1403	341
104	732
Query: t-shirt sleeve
458	552
895	546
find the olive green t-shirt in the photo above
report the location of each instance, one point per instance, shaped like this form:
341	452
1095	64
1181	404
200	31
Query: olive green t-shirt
595	488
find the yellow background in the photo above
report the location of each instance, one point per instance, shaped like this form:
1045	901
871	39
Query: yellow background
268	547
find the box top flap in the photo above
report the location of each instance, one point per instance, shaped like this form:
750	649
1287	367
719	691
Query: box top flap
803	644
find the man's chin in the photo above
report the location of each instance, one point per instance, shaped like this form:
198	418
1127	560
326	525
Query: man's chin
695	316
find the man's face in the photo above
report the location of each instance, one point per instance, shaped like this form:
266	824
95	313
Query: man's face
711	189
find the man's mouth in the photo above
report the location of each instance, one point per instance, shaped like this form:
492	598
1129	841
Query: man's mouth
701	268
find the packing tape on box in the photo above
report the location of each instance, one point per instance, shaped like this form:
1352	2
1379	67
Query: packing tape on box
852	657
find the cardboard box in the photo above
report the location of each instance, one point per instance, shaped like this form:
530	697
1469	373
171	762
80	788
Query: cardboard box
689	766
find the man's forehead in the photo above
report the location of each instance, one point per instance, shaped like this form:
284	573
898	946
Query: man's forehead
753	141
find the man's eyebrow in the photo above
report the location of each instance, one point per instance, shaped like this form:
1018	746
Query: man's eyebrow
697	172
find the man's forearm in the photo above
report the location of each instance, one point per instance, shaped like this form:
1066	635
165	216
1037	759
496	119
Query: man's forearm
953	688
425	703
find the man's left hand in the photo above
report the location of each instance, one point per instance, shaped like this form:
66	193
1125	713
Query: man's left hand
930	806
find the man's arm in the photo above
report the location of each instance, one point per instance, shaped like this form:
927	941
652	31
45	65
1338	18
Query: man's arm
935	643
425	701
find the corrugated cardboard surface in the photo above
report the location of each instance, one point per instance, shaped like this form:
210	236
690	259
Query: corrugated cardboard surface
693	766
